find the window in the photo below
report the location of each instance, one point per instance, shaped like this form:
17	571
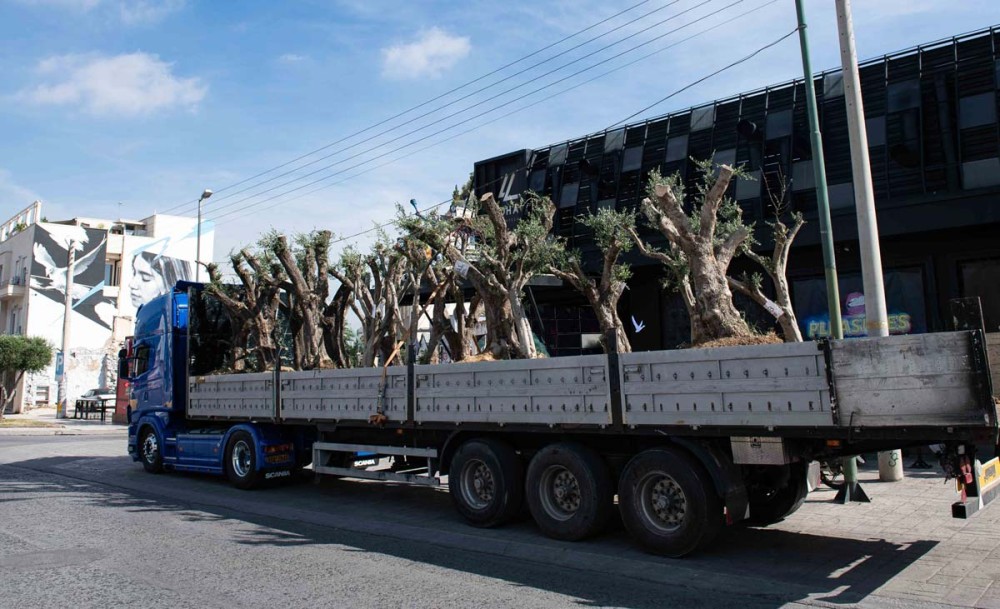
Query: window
570	192
981	278
141	365
875	126
841	195
112	272
536	182
833	85
779	124
614	140
977	110
802	176
904	95
632	159
702	118
557	156
748	187
677	148
980	174
725	157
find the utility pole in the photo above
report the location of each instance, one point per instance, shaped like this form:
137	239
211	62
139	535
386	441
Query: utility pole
890	463
819	174
63	407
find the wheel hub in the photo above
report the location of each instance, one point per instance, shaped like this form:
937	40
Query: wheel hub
663	501
478	485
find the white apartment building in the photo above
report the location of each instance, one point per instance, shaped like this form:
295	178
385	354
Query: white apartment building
119	265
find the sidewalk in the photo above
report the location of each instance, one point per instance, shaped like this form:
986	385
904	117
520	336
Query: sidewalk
58	427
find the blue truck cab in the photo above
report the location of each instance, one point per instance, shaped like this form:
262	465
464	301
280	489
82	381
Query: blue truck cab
162	437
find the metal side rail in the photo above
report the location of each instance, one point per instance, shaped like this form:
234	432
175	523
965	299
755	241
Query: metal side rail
322	451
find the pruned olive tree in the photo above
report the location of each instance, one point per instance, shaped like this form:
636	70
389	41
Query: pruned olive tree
776	266
702	244
503	261
614	235
308	289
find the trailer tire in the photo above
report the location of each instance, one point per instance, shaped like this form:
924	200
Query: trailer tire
569	491
771	505
668	503
241	461
150	452
486	482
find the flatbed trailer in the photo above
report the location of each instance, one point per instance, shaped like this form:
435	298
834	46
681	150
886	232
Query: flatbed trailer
686	440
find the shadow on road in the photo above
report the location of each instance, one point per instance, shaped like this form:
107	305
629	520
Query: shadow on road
762	567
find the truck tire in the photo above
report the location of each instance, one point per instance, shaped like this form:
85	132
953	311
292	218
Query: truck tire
668	503
150	452
771	505
569	491
241	461
486	482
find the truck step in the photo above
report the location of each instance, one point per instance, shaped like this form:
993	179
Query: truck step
322	449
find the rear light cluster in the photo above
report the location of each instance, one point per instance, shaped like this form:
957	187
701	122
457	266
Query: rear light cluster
277	448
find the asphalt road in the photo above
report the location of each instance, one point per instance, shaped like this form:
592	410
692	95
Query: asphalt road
83	526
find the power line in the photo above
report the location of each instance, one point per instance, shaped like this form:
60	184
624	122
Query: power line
674	93
434	99
462	122
454	114
706	77
704	31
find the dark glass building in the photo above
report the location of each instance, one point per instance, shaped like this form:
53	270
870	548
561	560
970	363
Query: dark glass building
934	141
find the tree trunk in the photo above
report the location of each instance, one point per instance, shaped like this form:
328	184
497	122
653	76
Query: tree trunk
713	299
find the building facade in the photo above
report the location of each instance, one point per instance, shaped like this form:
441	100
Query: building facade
934	140
118	266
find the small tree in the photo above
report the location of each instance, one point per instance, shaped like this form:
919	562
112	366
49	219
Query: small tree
20	354
613	235
702	246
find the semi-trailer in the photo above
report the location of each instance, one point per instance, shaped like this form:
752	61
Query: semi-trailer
680	442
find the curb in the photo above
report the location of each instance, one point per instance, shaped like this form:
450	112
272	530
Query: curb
60	431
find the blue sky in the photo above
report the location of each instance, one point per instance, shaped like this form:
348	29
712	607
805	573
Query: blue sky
147	102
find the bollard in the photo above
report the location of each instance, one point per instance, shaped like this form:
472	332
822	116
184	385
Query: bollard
890	466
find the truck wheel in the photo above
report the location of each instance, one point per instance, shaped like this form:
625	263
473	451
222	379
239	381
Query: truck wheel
486	482
569	491
667	502
149	451
241	461
771	505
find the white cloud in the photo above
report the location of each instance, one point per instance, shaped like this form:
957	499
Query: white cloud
431	54
292	58
132	84
144	12
129	12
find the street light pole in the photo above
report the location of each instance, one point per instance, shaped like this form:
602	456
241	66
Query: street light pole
197	256
62	403
890	463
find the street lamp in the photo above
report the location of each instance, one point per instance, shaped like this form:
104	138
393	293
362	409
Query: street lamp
197	254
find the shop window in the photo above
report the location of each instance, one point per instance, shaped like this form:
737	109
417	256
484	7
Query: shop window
977	110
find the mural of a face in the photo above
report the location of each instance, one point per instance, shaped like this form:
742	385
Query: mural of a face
155	275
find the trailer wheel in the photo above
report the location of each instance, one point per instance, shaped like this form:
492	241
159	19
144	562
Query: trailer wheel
569	491
486	482
769	505
668	503
149	451
241	461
